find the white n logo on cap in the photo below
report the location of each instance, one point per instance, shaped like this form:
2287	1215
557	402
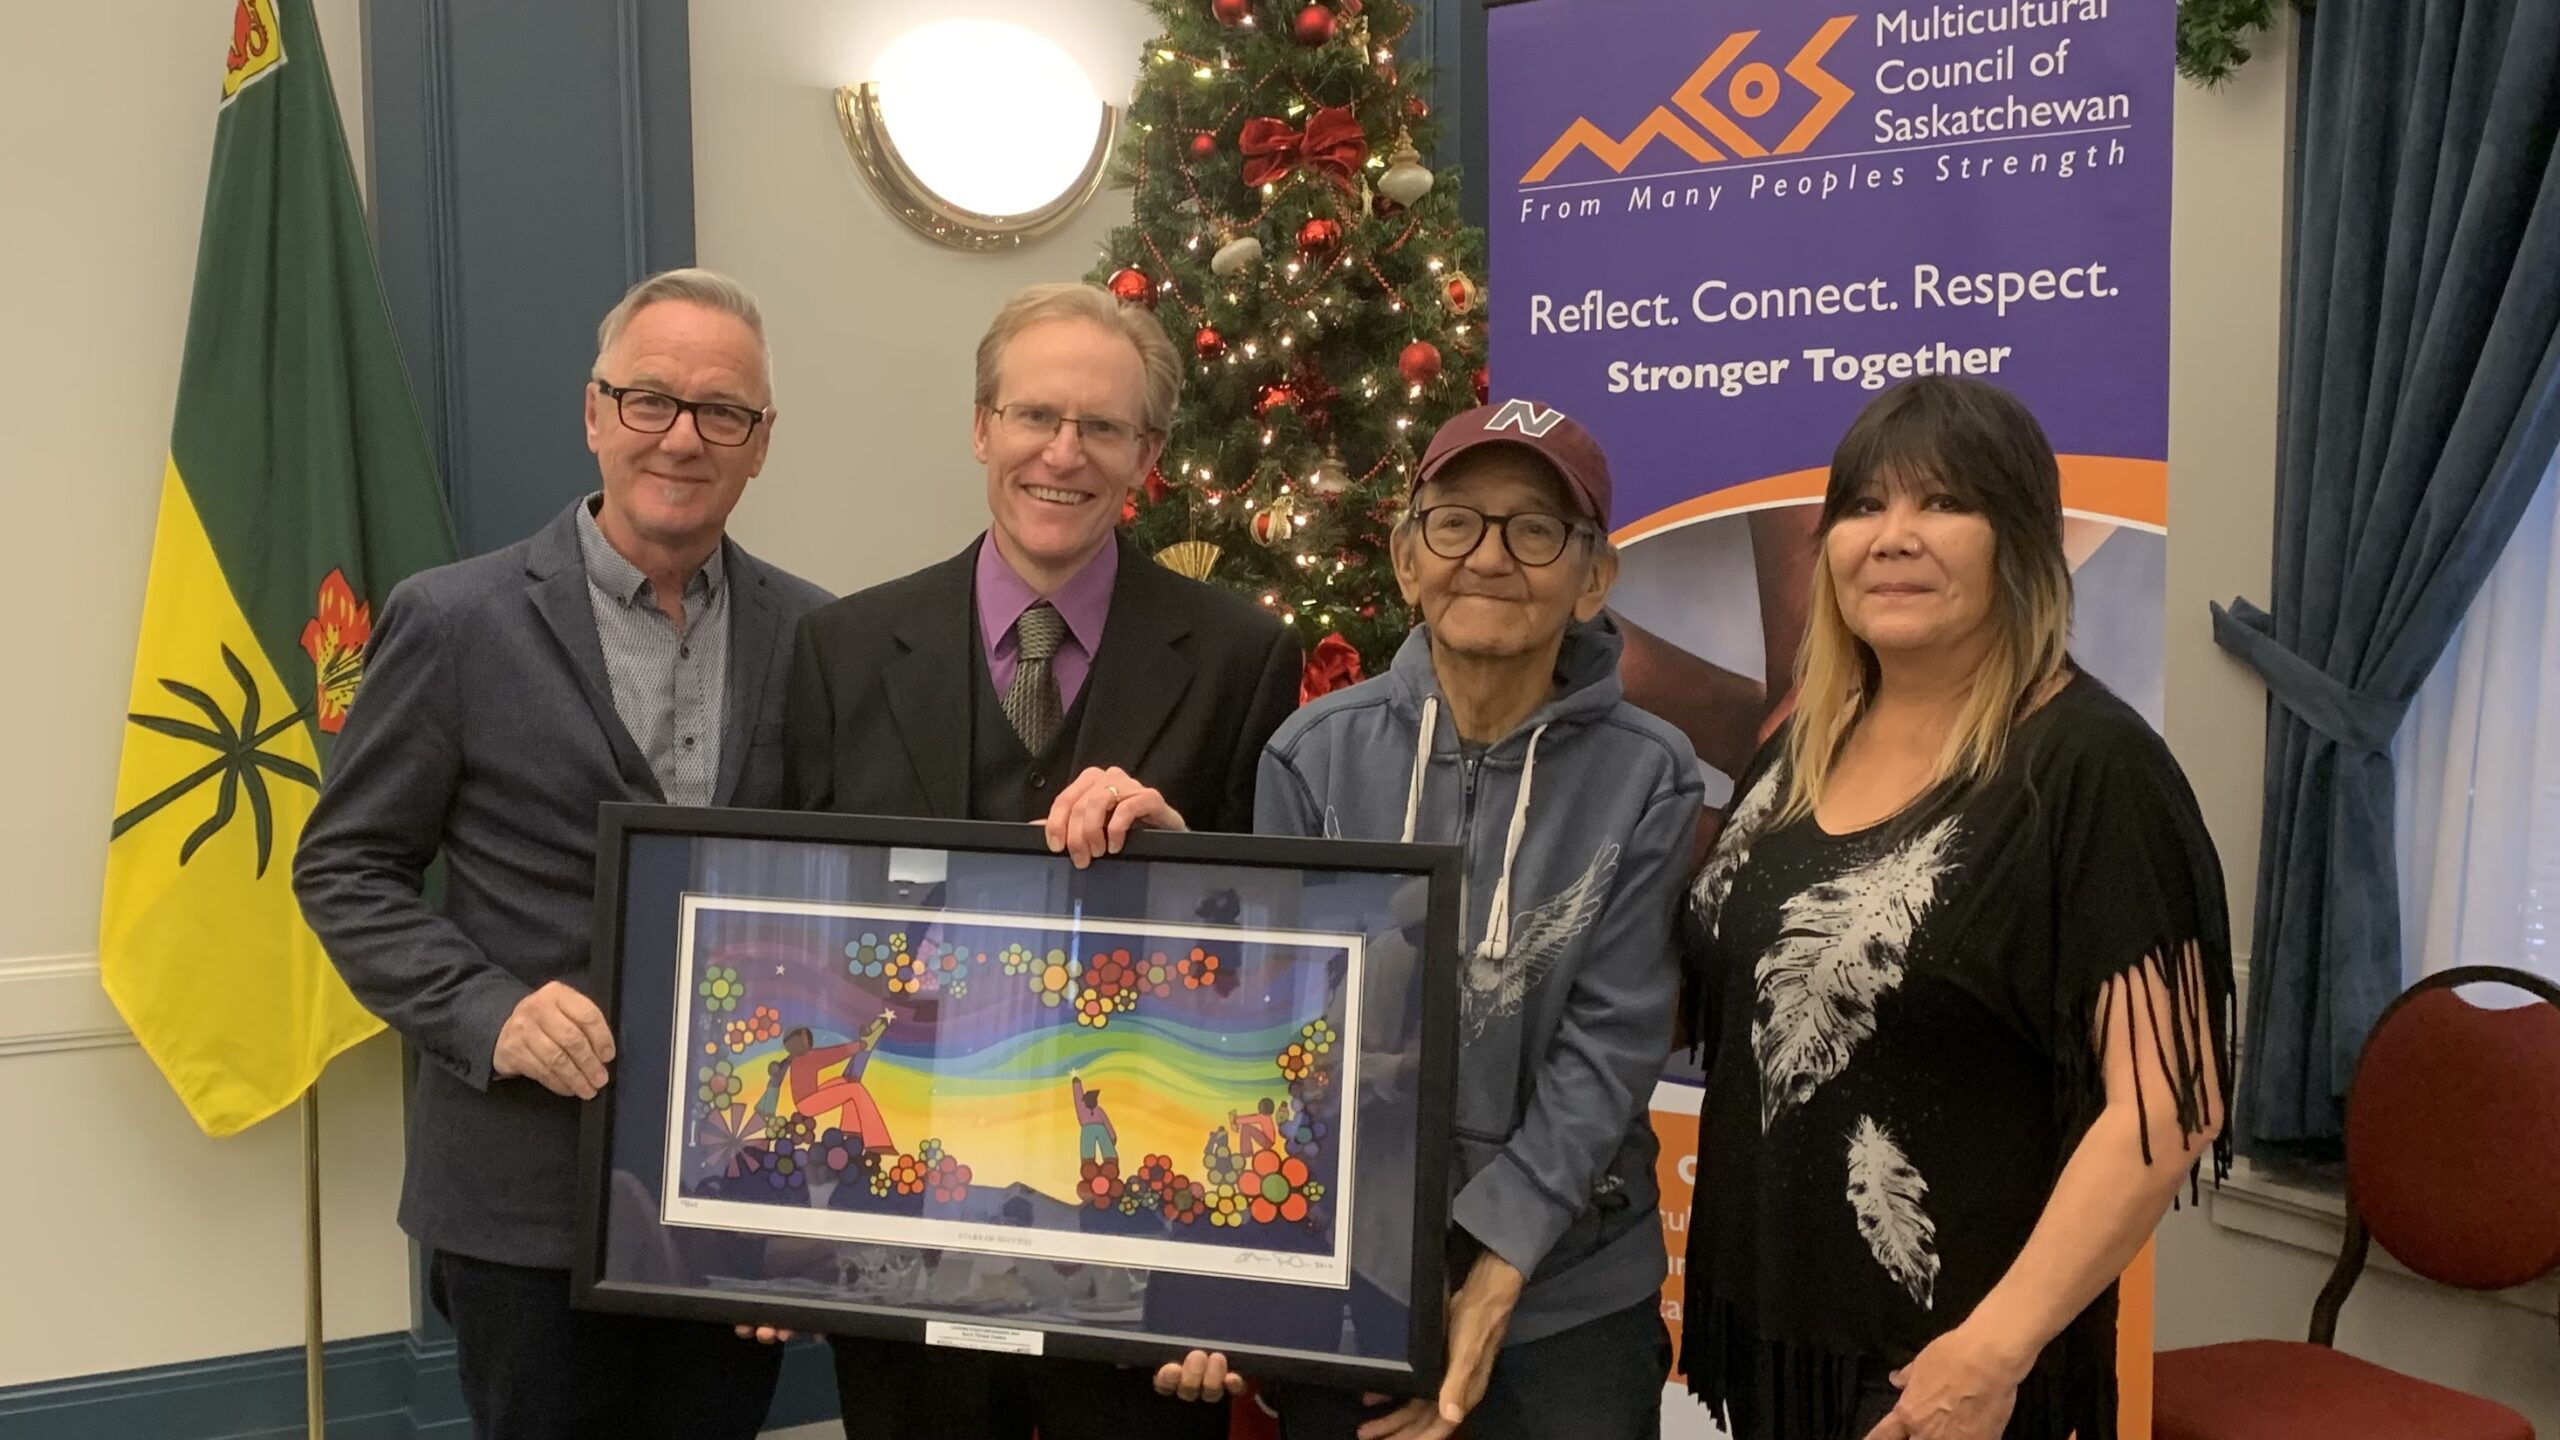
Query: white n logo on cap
1525	417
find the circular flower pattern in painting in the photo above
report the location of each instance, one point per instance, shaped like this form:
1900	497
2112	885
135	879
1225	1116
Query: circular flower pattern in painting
719	988
867	958
1092	1009
1054	981
1226	1206
906	1175
950	1181
789	1169
1109	976
1017	960
1101	1186
717	1084
906	975
1185	1201
1198	968
1157	975
1277	1187
837	1155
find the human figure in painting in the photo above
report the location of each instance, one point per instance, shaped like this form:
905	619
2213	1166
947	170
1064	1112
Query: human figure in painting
1256	1132
857	1114
1096	1139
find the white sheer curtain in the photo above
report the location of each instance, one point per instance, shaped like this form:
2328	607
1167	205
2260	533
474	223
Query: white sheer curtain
2479	773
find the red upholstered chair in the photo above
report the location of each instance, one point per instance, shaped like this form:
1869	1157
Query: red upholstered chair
2453	1166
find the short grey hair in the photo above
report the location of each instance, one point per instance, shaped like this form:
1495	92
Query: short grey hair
1070	300
707	288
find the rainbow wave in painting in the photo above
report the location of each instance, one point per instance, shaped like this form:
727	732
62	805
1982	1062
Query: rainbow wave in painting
1152	1094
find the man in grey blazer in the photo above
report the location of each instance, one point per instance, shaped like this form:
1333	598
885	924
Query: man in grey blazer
627	651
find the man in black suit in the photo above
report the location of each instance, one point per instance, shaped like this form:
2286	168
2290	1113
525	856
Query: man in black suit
627	651
1049	672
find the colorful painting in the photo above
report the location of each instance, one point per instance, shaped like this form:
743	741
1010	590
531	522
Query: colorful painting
1130	1093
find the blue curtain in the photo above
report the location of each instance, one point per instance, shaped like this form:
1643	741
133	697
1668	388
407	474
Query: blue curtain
2422	402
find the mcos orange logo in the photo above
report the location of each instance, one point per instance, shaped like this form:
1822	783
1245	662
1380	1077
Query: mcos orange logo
1751	93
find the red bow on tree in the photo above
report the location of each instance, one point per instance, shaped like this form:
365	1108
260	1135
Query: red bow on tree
1333	665
1332	144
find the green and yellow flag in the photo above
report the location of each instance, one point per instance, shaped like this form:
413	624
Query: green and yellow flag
299	490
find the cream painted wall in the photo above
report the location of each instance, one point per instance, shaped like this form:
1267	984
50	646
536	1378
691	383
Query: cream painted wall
873	328
2228	274
133	1240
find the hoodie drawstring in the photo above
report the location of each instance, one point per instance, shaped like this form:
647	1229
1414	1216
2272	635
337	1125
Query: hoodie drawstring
1497	942
1421	764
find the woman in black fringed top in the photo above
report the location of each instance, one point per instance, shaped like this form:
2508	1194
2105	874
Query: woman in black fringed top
1964	974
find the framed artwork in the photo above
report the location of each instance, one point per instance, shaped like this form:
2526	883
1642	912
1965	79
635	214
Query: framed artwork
926	1080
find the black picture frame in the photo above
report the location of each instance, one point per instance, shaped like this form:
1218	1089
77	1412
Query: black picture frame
629	1140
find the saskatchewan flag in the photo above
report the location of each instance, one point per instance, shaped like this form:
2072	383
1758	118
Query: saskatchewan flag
299	489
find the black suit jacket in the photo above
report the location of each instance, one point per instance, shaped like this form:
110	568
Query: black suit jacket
486	735
1188	684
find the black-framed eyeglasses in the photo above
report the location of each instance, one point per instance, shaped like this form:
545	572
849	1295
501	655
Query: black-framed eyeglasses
1534	537
1041	423
653	413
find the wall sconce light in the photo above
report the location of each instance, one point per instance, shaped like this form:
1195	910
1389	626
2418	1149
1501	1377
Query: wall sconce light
979	135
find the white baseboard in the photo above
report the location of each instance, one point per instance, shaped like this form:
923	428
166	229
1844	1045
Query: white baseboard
51	1003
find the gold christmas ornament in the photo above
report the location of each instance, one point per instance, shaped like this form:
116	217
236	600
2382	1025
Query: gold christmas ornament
1406	180
1275	524
1194	558
1236	256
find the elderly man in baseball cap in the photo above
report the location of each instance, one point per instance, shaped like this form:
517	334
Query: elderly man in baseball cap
1501	727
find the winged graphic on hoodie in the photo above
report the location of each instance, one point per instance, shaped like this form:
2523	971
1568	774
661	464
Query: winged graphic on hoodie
1494	985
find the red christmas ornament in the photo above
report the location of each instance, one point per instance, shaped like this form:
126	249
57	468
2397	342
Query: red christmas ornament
1319	237
1315	27
1208	344
1484	386
1133	287
1420	362
1278	394
1231	12
1369	611
1415	107
1271	527
1346	7
1129	508
1383	207
1203	145
1463	293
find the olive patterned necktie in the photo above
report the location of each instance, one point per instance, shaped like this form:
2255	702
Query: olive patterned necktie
1031	701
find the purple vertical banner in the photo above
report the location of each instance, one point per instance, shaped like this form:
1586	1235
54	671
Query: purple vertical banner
1720	230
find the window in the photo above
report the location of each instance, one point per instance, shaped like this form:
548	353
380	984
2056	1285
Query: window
2479	773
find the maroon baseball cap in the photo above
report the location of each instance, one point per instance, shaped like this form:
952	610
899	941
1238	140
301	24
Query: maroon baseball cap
1550	434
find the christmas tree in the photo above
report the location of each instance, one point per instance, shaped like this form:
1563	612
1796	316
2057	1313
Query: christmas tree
1318	279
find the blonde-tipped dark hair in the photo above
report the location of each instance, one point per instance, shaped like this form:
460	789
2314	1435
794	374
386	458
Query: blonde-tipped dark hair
1981	445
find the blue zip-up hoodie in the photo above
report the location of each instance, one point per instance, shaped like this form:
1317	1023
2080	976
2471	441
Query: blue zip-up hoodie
1576	827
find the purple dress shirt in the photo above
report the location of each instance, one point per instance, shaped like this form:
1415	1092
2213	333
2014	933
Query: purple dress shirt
1084	602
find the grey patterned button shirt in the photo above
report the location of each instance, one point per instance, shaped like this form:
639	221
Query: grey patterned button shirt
669	686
